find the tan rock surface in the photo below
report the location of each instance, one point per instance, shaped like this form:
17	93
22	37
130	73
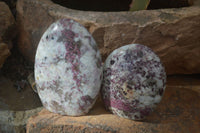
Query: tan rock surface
178	112
172	33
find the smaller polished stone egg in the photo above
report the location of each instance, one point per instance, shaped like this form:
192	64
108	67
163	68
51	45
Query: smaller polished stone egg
133	82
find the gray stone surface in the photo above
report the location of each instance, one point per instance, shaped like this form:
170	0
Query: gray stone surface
15	121
16	107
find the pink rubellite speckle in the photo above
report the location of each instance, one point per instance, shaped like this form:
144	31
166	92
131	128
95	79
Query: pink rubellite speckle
134	81
68	71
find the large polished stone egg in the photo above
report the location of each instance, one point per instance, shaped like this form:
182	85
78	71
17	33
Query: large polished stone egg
68	69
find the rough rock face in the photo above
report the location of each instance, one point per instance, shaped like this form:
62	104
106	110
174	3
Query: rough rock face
16	108
4	53
6	32
169	32
68	69
178	112
7	23
134	81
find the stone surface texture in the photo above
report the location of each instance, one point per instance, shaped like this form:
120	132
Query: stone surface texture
178	112
16	107
4	53
134	81
68	70
7	23
173	34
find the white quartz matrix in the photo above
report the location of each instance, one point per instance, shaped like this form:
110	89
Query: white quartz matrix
68	71
134	81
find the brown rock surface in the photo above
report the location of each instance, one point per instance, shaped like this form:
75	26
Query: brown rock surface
172	33
4	53
6	31
7	24
178	112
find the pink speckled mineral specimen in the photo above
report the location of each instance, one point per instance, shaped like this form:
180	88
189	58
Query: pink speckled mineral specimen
68	69
134	81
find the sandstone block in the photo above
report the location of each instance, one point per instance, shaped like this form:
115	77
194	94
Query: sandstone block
178	112
172	33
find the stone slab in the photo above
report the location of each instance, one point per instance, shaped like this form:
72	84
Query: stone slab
172	33
178	112
16	107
